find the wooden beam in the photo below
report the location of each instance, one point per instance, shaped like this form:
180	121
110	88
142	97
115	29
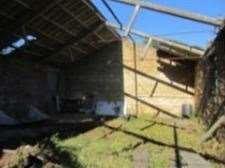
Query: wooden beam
218	124
82	35
35	42
165	41
174	12
60	42
59	26
132	19
180	55
72	64
57	40
76	19
65	30
93	8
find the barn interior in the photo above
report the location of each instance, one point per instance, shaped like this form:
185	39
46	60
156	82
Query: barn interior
65	67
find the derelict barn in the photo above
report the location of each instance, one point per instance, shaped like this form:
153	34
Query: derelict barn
62	58
64	52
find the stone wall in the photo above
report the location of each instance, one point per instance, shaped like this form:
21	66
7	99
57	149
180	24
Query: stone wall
210	83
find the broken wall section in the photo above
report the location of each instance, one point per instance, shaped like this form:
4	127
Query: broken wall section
210	83
156	84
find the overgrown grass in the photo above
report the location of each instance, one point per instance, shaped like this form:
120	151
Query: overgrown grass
112	144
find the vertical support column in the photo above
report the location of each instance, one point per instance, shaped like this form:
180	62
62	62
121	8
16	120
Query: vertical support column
146	48
132	19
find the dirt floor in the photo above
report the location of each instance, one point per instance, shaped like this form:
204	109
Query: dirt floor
113	143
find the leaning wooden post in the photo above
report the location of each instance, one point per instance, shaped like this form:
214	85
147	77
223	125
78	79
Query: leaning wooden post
218	124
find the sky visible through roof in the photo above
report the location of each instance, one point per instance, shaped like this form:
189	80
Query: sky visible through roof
20	42
170	27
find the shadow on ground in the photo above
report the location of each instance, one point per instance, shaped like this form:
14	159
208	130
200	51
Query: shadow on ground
64	131
177	148
14	136
60	155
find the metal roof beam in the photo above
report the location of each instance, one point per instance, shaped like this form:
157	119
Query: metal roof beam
165	41
90	4
174	12
146	48
132	19
112	12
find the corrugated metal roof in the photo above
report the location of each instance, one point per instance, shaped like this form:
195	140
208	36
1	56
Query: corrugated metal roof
62	28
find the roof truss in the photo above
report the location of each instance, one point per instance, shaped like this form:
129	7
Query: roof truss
73	36
174	12
138	4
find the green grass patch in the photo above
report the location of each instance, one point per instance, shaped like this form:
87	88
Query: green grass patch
112	145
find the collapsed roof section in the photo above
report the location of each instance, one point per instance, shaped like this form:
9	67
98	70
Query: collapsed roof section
174	12
181	51
175	48
63	30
